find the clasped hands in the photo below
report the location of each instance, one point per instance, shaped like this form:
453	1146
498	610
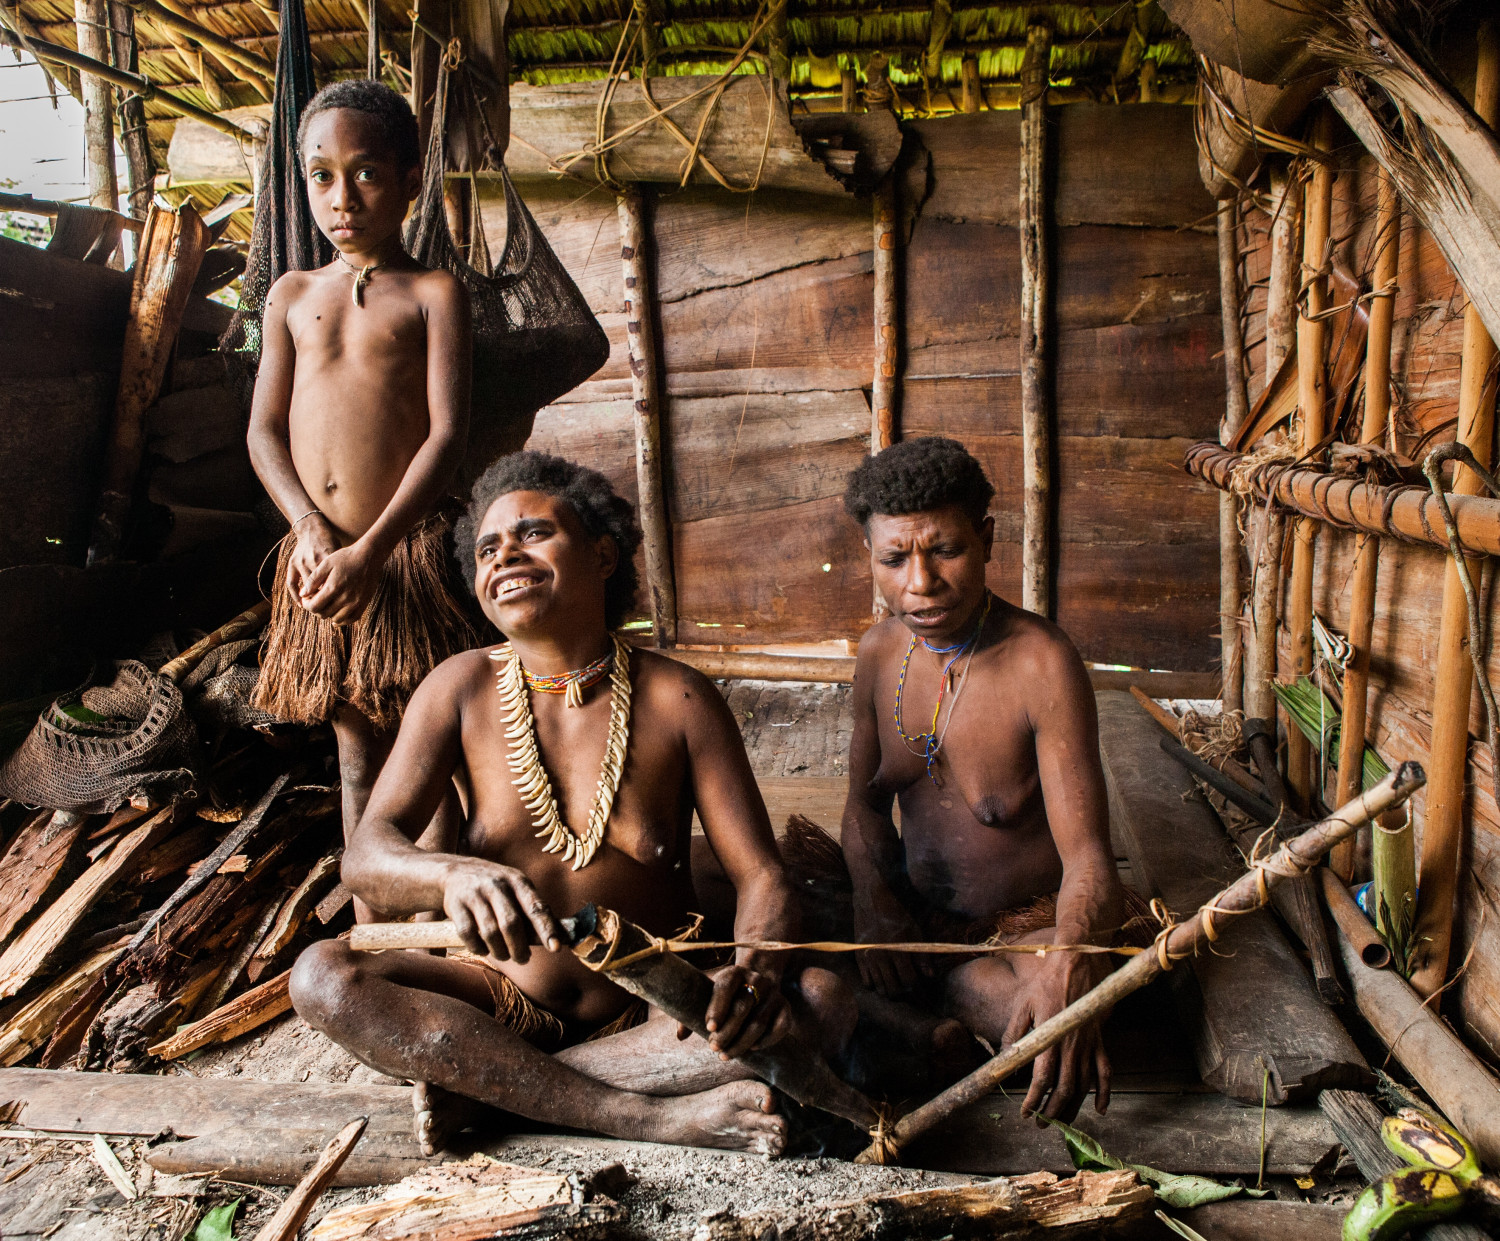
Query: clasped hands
336	583
498	912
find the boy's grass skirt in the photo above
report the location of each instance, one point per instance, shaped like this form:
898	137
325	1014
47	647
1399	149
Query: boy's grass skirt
310	667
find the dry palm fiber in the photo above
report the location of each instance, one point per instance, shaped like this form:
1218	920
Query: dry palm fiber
534	335
310	666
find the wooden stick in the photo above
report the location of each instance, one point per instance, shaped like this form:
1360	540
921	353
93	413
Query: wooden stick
1367	547
1252	803
295	1207
295	910
848	91
32	1025
683	992
69	59
1036	412
172	248
1453	689
242	1014
32	862
1453	1078
140	167
1312	397
1157	712
247	624
640	320
226	49
1236	408
1245	894
1353	925
1260	662
887	317
969	76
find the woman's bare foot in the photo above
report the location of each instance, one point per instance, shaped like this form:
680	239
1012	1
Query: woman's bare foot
738	1116
440	1114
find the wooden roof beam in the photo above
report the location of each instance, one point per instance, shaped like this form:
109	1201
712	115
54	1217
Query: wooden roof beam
169	16
143	85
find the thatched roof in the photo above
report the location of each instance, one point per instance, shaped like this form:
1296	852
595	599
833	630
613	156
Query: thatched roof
1097	50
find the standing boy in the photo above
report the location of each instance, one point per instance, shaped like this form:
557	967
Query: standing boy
359	421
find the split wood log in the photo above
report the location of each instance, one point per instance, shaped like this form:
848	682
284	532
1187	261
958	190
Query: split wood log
1353	925
24	959
1036	406
1312	399
1348	501
283	1156
1453	688
1038	1205
33	862
295	910
92	17
53	53
295	1207
172	247
885	383
1367	548
234	971
1236	408
1448	170
1356	1119
33	1024
1251	891
1466	1092
645	375
241	1015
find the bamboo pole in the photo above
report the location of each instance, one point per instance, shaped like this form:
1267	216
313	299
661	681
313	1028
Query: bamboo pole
225	49
85	65
1243	895
887	318
1454	685
640	317
92	17
1269	533
1352	923
1367	546
372	40
1236	407
1036	414
1312	398
124	51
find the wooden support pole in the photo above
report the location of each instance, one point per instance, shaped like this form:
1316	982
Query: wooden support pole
1367	546
92	17
140	167
1453	689
848	90
778	42
1036	411
939	27
1236	407
372	40
1312	398
887	318
973	93
640	325
1250	891
1267	535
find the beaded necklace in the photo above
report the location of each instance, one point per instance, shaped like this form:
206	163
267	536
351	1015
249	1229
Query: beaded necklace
931	742
571	684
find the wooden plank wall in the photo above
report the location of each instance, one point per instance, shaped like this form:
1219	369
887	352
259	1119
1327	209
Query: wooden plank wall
767	349
1425	367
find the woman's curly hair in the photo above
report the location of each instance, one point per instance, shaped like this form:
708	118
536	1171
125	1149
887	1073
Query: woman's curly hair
587	492
917	476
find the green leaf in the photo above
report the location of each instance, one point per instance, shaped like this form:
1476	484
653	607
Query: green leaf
218	1224
1175	1189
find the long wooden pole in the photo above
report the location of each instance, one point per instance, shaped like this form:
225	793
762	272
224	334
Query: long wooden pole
1236	407
1367	546
124	48
1244	894
1036	413
92	18
1312	398
224	48
1269	532
1454	686
887	318
640	330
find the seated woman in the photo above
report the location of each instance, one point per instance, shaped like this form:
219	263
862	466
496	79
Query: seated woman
583	762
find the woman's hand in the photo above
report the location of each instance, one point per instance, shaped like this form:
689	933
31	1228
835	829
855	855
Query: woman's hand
497	911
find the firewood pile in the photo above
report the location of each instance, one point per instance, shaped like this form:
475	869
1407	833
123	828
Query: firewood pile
135	936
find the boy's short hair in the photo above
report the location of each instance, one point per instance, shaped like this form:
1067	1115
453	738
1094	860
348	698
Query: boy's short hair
917	476
391	112
587	492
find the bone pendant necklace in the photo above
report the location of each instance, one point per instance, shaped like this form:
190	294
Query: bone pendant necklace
530	777
361	276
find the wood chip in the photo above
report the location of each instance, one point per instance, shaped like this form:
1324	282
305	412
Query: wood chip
289	1216
244	1013
106	1158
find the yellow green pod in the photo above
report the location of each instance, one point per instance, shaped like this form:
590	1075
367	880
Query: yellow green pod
1402	1200
1423	1142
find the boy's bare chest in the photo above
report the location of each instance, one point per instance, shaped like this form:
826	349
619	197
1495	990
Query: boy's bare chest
324	323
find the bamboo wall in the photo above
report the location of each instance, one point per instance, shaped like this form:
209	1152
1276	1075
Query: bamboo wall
1425	369
765	308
